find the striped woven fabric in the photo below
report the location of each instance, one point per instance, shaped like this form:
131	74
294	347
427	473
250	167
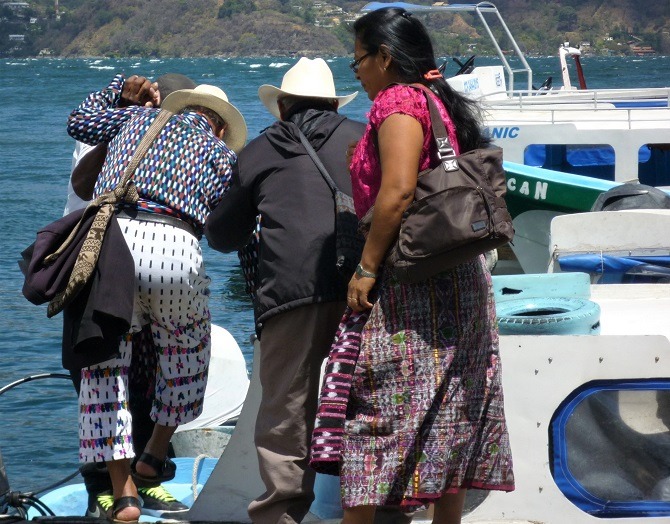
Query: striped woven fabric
326	446
185	172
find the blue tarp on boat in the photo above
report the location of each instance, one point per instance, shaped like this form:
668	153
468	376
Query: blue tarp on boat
619	269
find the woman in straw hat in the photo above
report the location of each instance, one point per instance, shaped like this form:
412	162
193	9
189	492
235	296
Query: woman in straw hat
424	418
180	179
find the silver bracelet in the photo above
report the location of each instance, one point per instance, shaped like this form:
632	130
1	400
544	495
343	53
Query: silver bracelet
363	273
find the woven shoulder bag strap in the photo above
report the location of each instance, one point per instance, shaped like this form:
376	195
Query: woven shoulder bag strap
87	258
125	190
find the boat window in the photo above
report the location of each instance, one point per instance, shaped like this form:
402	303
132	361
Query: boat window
654	165
610	448
594	160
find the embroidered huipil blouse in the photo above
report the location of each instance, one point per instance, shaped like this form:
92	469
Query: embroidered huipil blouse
185	172
366	171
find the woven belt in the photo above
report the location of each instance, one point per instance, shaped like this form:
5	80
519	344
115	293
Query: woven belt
147	216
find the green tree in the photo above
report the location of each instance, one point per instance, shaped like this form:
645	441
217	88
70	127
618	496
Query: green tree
103	18
344	34
233	7
566	19
248	43
309	16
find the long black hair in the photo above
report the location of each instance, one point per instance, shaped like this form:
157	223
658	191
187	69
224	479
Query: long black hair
412	52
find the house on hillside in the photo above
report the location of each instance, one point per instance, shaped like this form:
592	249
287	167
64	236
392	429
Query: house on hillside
16	6
642	50
16	10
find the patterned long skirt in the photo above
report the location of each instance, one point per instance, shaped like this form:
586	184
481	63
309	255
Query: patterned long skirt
425	414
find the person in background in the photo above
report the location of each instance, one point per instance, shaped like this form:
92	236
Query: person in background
87	163
425	418
184	174
299	298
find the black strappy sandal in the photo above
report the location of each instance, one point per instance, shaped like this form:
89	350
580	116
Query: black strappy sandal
165	471
121	504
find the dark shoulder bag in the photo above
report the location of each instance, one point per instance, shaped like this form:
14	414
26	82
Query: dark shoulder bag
458	212
348	240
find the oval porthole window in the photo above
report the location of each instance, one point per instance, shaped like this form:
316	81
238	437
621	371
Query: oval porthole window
610	448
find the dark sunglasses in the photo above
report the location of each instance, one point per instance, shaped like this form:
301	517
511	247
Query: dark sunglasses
356	63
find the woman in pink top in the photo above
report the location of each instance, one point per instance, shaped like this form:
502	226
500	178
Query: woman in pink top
424	417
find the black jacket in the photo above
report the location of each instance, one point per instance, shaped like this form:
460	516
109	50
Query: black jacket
101	313
276	178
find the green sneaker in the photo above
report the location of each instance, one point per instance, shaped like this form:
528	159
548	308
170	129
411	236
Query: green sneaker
100	504
159	502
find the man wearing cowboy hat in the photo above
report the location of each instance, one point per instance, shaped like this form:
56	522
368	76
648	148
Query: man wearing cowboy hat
183	175
299	296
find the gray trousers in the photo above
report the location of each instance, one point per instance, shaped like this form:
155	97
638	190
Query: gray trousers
293	347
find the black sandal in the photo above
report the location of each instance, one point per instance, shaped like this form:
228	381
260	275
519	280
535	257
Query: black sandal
121	504
165	471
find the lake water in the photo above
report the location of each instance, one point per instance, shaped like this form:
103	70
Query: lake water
38	426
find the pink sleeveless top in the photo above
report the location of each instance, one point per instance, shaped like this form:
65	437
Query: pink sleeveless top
365	168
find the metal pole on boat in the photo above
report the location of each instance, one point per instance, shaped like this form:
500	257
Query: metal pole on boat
565	74
478	8
485	6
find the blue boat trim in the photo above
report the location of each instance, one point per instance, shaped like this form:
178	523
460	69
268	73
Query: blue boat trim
636	104
570	486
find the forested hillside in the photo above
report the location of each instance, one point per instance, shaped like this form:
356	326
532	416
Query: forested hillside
289	27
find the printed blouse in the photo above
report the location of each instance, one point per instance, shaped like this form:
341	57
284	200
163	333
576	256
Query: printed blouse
186	170
365	168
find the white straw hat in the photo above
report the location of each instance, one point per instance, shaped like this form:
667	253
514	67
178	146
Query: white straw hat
308	78
215	99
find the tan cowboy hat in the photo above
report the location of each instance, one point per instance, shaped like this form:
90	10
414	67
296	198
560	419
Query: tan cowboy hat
215	99
308	78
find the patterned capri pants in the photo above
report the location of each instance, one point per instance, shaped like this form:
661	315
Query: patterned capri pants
172	296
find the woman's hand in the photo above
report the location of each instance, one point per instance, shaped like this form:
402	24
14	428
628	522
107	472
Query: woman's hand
358	292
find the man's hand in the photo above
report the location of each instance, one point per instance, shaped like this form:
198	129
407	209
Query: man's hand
139	91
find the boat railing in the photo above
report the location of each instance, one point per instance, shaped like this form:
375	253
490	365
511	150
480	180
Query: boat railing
480	9
611	117
594	99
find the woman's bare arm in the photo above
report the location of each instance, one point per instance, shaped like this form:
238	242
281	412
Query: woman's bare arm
400	141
